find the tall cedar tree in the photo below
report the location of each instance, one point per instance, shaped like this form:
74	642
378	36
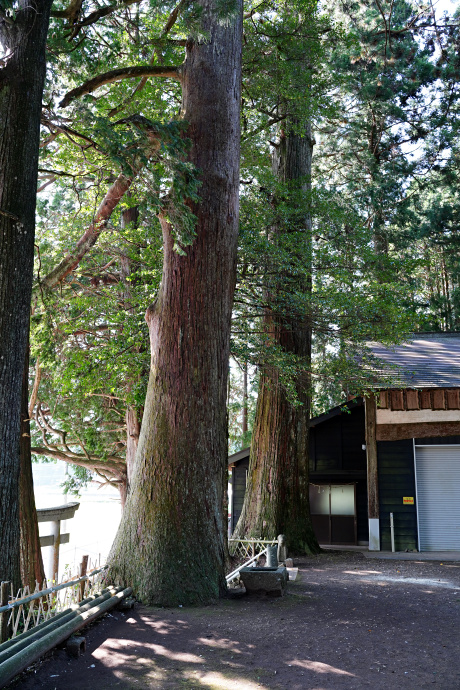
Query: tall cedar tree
276	499
171	544
23	39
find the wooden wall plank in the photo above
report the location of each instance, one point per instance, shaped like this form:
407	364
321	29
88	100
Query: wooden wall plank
397	400
453	399
382	400
412	400
395	432
425	400
439	399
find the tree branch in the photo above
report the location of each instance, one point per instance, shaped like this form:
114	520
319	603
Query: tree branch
89	238
114	465
57	129
104	212
173	72
166	29
34	394
71	12
96	15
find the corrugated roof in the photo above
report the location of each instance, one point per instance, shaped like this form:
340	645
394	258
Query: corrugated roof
428	360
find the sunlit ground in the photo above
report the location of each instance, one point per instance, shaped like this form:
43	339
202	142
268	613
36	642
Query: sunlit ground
346	624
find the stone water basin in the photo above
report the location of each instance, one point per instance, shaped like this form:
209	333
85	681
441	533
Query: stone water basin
271	581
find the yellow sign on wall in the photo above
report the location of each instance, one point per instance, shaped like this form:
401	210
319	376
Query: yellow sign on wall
408	500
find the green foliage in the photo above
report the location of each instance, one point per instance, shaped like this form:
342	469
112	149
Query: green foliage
77	480
347	305
237	439
371	98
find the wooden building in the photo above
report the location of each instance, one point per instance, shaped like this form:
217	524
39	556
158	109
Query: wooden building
396	451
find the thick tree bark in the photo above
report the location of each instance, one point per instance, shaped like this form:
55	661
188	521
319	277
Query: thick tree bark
32	569
171	545
244	424
276	499
21	89
133	428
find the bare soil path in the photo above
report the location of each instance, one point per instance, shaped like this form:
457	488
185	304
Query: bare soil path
347	623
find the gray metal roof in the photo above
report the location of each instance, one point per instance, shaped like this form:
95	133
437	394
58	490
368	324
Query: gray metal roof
428	360
239	455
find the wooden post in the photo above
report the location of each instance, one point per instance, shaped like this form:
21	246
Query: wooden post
83	569
54	556
4	591
372	473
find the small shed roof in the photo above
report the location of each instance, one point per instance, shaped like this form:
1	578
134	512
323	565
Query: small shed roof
427	360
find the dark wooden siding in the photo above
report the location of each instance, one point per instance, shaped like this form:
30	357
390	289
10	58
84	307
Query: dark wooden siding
396	480
337	457
438	441
328	445
239	475
336	445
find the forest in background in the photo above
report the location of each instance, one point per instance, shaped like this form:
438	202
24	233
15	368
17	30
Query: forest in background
384	153
349	210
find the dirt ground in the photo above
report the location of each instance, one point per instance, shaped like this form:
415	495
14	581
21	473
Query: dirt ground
347	622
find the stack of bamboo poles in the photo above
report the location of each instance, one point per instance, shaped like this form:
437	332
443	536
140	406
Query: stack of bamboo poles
20	652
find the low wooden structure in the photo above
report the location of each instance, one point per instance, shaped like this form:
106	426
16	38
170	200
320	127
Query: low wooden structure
396	451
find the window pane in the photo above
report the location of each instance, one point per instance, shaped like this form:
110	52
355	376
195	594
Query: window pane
319	500
343	499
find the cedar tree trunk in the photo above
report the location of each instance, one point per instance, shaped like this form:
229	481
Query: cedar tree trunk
276	499
32	570
130	216
171	545
21	87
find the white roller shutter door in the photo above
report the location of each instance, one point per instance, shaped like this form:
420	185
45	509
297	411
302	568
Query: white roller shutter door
438	497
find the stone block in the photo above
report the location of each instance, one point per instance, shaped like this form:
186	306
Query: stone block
271	581
76	645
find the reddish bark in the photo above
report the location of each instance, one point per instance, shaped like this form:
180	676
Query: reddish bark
171	545
277	498
133	427
32	569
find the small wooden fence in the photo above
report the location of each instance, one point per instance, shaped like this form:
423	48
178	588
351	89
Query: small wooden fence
26	609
